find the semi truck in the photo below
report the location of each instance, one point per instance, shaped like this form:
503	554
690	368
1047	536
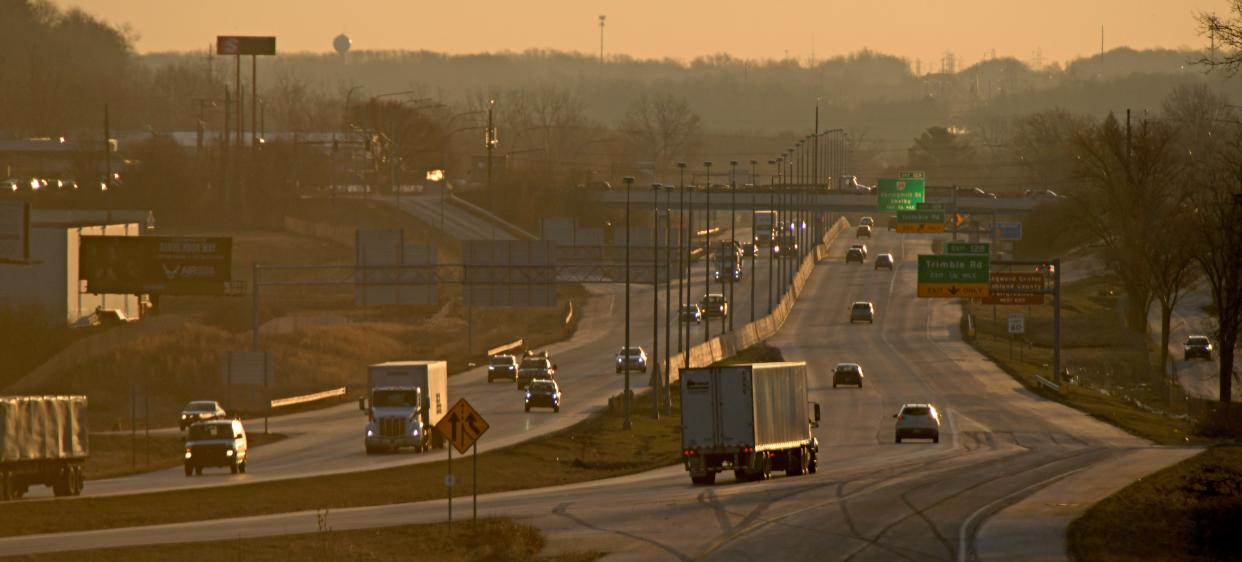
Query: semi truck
404	401
765	221
751	419
43	441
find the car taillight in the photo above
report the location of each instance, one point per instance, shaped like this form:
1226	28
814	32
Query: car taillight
901	418
688	452
748	449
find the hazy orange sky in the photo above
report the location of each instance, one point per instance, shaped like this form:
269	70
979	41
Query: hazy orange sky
681	29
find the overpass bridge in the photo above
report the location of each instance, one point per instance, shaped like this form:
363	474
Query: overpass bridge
641	198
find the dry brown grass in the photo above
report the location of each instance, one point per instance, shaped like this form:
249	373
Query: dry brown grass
493	539
1187	512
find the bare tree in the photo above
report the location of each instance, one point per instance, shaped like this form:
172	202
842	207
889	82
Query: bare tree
1226	36
662	126
1130	187
1218	213
943	153
1171	260
1043	143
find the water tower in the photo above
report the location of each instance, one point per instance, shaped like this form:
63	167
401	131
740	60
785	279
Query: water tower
341	44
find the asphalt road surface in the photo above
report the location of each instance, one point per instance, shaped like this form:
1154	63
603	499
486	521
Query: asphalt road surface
872	499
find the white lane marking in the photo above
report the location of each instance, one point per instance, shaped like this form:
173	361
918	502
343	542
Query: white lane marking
962	531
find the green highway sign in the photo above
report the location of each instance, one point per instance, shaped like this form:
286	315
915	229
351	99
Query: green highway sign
920	221
929	206
953	276
959	247
901	194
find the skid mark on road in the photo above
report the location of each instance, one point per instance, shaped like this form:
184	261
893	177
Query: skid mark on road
562	510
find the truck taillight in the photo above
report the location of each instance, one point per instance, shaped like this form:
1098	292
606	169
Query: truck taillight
688	452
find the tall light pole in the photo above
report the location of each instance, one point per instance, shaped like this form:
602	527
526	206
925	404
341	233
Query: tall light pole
668	299
491	143
601	44
776	217
689	266
681	268
754	193
732	234
629	181
707	249
654	359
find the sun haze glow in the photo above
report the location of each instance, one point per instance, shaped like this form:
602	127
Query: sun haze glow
1046	31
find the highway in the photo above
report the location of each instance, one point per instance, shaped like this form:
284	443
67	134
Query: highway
872	499
329	440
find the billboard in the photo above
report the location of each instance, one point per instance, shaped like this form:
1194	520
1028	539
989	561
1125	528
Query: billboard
509	272
245	45
14	231
157	265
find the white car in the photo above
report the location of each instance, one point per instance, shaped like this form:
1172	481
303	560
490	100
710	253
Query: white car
918	421
637	359
216	443
200	410
860	247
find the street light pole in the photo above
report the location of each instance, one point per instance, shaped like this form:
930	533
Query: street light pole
754	192
668	299
654	359
707	249
733	236
681	268
629	181
689	265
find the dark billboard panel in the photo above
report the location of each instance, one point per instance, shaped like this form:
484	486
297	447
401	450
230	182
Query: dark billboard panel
158	265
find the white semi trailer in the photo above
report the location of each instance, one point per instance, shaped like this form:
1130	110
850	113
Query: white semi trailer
751	419
404	401
43	441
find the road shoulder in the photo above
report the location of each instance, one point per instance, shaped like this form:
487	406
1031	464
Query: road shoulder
1034	528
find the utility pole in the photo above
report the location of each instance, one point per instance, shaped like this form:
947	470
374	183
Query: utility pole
601	44
108	163
491	143
654	359
754	193
681	216
707	250
668	299
629	182
733	236
689	266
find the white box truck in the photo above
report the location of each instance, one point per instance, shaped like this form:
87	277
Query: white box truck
43	441
404	401
751	419
765	221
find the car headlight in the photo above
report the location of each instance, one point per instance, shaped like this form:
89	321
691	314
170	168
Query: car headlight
528	396
415	432
228	453
556	395
183	416
370	432
188	453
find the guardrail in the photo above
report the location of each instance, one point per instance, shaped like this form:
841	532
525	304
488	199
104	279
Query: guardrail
1048	383
277	403
506	347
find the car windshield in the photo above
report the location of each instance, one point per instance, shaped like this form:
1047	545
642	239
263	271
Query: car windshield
861	306
916	411
543	386
1200	340
885	258
505	360
847	368
201	407
534	363
396	398
635	351
200	431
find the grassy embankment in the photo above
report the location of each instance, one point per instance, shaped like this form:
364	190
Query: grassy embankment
1187	512
493	539
320	340
1110	362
